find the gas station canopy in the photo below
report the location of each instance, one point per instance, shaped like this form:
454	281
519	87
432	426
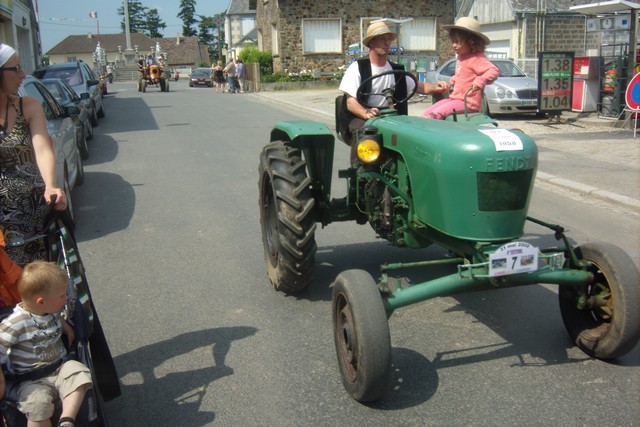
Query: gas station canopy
603	7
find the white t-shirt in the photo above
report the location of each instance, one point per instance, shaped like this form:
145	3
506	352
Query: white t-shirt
351	81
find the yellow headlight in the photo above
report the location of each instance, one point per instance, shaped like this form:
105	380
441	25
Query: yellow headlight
368	151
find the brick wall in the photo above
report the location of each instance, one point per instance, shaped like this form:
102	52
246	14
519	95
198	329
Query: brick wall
560	33
287	15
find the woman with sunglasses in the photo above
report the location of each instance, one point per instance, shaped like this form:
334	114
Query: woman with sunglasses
27	163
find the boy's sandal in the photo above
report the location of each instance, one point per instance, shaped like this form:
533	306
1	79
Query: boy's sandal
67	422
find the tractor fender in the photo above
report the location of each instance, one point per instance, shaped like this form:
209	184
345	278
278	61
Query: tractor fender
316	143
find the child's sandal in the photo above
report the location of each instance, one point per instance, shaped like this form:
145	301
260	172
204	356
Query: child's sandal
67	422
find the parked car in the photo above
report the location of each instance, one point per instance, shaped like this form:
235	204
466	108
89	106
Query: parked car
201	77
79	76
62	130
104	79
65	95
512	92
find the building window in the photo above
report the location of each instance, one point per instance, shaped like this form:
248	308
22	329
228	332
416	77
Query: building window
418	34
275	40
321	35
71	59
247	25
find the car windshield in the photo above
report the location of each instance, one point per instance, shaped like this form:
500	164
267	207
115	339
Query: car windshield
70	75
200	73
508	69
56	91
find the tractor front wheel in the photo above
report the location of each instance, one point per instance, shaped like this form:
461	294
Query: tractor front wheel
603	318
286	218
163	85
361	334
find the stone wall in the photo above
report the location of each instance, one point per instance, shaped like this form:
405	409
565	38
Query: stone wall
561	33
287	15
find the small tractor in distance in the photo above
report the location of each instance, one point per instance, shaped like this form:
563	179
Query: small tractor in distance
463	184
156	74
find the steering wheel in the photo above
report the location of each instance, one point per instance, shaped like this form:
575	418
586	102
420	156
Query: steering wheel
388	93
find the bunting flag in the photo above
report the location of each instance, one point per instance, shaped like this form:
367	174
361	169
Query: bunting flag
93	15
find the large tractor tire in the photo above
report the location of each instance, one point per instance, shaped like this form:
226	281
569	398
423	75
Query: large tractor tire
361	334
603	319
163	85
286	218
140	83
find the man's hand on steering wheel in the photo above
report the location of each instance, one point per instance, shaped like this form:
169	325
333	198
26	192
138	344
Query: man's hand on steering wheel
388	93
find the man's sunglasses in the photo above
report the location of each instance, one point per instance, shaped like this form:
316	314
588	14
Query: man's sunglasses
17	68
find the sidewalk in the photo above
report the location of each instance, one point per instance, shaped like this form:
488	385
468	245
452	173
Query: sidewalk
580	153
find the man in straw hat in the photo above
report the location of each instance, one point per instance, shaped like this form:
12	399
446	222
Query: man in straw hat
378	39
473	70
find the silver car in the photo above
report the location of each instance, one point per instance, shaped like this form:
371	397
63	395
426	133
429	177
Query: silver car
512	92
62	130
65	95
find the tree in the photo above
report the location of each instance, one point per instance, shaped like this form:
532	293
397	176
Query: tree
187	14
205	37
154	24
137	16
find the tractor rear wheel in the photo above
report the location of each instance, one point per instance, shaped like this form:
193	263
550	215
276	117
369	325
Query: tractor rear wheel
361	334
286	218
163	85
604	320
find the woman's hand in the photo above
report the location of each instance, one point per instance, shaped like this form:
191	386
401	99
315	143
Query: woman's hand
60	198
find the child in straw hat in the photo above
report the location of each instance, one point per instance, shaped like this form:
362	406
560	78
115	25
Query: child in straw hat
473	70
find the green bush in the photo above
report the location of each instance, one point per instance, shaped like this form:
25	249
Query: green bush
250	55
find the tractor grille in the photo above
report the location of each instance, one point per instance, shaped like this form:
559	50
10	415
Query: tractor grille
527	94
503	191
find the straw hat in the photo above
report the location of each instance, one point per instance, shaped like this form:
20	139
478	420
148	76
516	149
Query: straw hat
377	29
468	24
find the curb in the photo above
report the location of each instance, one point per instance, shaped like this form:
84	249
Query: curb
567	184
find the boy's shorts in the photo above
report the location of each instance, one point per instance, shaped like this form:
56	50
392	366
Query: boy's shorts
36	399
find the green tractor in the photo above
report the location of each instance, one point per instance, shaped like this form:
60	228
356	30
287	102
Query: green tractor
463	184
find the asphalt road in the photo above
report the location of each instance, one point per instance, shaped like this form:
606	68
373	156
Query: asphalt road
168	228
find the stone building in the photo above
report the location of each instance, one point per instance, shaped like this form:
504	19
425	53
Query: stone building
19	29
316	35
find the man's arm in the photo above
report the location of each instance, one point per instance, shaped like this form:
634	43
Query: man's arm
426	88
359	110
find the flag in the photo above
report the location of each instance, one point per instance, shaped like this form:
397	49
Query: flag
93	15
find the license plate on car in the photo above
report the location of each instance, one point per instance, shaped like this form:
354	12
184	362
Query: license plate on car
526	102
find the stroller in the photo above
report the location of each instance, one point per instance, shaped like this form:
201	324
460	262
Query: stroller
90	345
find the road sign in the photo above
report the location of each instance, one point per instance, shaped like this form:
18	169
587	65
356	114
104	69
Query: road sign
633	93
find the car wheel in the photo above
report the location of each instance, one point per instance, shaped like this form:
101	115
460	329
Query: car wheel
94	115
80	172
89	132
83	148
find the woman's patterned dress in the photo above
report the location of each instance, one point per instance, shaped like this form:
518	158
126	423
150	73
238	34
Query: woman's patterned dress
22	205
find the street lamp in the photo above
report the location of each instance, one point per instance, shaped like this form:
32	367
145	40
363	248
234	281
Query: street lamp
397	22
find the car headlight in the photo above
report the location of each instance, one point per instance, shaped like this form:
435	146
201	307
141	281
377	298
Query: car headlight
368	151
500	92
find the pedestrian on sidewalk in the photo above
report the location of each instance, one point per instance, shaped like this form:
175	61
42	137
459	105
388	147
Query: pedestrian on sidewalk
218	76
353	113
240	75
230	72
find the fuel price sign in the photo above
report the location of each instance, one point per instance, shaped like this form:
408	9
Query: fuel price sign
555	81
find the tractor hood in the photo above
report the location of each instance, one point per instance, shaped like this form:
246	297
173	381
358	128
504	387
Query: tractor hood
467	180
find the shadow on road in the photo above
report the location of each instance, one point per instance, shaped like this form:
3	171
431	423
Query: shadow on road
168	399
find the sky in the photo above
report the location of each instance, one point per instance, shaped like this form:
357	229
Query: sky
61	18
